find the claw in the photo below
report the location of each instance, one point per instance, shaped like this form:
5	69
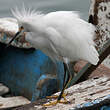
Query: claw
56	96
52	103
52	97
56	101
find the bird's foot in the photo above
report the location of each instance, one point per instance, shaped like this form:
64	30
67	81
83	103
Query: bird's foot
52	103
56	96
56	101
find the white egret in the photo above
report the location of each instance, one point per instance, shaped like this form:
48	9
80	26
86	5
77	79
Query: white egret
62	35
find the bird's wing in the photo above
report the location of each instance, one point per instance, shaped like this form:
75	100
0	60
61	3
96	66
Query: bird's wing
69	19
60	17
73	46
59	44
62	14
72	36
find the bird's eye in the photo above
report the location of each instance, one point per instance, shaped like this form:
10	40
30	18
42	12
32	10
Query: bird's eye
22	27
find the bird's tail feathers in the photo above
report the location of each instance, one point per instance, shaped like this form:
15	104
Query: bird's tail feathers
93	56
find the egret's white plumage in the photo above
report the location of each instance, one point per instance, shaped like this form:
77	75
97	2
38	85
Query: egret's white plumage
60	35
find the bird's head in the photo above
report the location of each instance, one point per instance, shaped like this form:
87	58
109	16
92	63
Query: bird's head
26	21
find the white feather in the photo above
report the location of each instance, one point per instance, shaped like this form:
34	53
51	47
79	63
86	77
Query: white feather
26	13
60	35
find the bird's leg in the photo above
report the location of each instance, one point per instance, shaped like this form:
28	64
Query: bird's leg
62	92
56	96
66	83
70	75
71	68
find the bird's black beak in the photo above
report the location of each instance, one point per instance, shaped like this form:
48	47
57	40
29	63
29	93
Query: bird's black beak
20	32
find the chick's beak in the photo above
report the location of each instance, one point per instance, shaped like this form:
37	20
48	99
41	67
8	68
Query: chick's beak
20	32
